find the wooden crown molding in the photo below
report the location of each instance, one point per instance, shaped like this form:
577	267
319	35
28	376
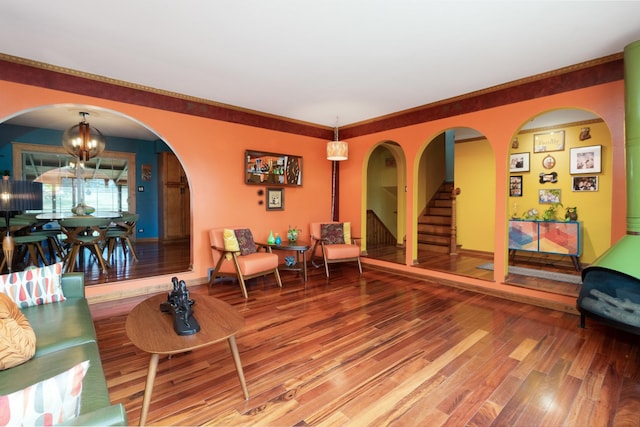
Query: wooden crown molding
578	76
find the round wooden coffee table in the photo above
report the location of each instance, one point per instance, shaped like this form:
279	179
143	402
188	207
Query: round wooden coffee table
152	331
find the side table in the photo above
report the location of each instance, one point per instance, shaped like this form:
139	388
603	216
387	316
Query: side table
152	331
300	248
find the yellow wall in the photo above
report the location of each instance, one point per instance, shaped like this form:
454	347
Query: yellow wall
475	206
382	188
594	208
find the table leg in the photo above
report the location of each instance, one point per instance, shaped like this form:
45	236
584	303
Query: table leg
148	388
304	264
236	360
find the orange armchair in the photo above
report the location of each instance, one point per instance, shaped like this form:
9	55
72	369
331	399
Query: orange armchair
334	243
235	254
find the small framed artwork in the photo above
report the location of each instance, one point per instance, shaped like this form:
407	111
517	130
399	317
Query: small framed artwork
275	199
549	141
519	162
586	159
549	196
548	162
146	172
515	186
585	183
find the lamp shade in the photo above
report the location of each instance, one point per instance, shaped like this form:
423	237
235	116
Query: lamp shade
20	196
337	150
83	141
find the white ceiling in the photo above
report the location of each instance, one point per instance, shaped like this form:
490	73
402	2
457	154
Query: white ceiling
316	61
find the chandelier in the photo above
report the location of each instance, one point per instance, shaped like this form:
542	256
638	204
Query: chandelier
82	140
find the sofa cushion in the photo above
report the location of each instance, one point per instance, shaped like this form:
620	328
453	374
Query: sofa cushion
48	402
34	286
95	394
245	241
61	324
17	339
332	233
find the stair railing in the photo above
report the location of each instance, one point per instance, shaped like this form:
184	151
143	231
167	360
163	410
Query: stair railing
453	249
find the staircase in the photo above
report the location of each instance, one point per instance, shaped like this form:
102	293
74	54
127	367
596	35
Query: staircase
434	225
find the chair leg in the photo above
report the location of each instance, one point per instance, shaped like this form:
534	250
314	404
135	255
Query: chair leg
359	266
277	274
101	260
326	267
71	259
243	287
133	251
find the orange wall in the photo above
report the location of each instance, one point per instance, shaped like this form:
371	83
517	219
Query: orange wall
499	125
212	153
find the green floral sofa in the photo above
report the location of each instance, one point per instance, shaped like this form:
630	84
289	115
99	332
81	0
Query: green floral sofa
62	380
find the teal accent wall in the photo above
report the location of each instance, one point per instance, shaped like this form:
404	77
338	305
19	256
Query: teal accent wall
145	151
449	154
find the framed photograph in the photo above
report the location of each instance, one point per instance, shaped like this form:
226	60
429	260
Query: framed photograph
515	186
585	183
549	141
519	162
586	159
549	162
549	196
275	199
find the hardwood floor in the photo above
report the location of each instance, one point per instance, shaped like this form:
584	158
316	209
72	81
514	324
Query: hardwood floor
381	349
154	258
466	264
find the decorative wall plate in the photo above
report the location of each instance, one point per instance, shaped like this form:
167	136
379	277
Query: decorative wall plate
548	162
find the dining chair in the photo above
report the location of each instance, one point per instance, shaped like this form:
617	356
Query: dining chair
235	254
85	232
332	241
121	232
24	243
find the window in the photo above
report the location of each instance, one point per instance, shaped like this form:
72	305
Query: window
107	178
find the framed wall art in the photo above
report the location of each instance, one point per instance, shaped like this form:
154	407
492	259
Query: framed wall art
549	196
549	141
515	186
519	162
585	183
272	168
275	199
586	159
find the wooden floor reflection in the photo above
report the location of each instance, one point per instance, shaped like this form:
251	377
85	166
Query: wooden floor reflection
466	264
154	258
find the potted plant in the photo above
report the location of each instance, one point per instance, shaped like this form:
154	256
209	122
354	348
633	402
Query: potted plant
550	213
292	233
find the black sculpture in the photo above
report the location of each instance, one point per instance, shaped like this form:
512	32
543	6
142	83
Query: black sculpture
181	306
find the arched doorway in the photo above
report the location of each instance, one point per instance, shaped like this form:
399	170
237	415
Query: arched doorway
30	144
386	203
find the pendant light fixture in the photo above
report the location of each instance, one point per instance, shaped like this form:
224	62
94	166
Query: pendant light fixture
83	141
337	150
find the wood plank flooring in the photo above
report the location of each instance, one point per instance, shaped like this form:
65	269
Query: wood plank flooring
154	258
381	349
466	264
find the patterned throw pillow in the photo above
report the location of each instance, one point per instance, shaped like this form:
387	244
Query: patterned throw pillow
245	241
332	233
34	286
17	339
49	402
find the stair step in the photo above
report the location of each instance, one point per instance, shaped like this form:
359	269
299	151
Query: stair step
433	248
439	211
442	203
433	239
438	229
434	219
